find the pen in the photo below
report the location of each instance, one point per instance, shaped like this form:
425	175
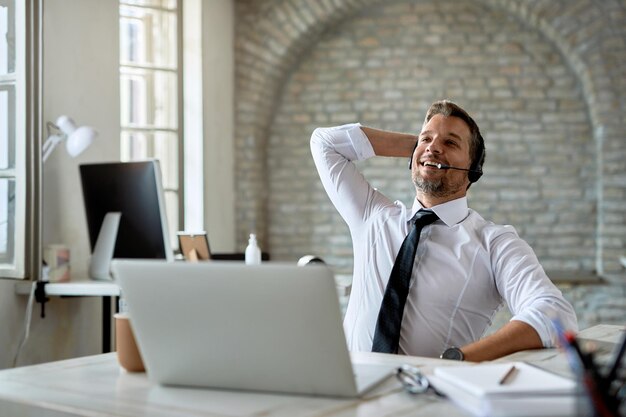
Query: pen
507	377
617	360
584	358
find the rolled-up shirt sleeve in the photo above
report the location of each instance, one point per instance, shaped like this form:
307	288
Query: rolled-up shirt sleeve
531	296
334	149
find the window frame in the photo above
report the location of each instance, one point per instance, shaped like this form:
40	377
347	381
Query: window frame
126	68
27	147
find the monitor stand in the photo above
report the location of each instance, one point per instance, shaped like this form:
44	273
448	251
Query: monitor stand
100	263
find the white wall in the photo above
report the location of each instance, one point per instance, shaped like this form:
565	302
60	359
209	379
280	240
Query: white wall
218	69
80	79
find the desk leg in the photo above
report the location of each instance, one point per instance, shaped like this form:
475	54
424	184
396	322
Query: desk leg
106	324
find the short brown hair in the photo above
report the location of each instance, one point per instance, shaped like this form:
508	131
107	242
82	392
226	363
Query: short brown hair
477	143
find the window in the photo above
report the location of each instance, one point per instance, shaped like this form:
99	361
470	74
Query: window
150	93
17	115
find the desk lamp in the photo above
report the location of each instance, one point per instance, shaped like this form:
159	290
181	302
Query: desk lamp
76	139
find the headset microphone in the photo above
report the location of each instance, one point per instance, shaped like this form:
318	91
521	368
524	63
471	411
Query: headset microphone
473	174
444	166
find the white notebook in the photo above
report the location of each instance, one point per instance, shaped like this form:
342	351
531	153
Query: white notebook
530	391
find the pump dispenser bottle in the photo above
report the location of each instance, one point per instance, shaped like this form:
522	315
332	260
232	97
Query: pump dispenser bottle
253	253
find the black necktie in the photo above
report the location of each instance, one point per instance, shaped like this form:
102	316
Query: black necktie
387	334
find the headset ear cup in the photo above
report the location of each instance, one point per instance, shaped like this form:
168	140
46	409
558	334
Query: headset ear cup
474	176
476	170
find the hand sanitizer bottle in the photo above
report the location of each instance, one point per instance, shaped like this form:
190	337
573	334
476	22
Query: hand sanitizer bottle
253	253
122	305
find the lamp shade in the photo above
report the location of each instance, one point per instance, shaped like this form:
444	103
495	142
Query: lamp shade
76	139
80	140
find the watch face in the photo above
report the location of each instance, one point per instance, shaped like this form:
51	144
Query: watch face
452	353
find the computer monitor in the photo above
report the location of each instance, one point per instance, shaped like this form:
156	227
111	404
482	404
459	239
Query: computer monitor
127	198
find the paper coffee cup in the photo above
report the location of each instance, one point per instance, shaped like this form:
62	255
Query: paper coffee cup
128	354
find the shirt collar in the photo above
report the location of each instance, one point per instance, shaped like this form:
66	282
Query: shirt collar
451	212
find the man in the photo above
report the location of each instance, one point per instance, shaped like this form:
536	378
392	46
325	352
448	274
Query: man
464	267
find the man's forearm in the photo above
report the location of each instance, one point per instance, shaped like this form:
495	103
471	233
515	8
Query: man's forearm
387	143
511	338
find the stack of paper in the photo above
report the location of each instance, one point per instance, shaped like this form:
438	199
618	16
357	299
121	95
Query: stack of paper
527	391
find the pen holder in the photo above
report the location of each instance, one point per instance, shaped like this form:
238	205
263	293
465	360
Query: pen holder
601	387
128	354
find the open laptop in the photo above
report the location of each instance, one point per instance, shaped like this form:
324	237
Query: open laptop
268	327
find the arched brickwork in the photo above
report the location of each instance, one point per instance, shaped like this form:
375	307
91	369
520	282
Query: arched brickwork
591	35
384	74
270	38
273	36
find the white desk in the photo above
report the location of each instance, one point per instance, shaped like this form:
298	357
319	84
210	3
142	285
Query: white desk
82	288
75	288
109	289
96	386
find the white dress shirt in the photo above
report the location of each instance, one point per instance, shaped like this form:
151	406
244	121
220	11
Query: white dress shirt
465	266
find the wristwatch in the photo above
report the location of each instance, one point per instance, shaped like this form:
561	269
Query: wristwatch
453	353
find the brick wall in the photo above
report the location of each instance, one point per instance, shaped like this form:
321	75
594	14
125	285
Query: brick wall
545	80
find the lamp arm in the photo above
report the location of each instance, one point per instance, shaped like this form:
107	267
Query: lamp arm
50	144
